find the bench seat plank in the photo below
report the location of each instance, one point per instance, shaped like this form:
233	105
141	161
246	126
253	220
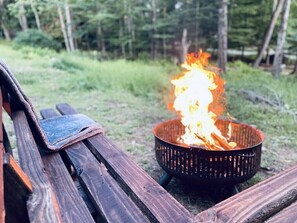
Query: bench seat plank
158	205
107	196
73	208
42	204
288	214
258	202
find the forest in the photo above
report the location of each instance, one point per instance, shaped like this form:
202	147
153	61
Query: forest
255	31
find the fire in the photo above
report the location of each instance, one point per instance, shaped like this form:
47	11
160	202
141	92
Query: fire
199	99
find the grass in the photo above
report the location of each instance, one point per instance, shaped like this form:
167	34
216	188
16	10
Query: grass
278	123
129	97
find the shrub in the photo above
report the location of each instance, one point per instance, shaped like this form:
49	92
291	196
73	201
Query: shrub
36	38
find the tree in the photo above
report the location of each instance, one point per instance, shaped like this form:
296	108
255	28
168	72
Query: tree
3	19
223	35
277	62
63	26
269	32
33	7
154	30
66	24
244	23
185	44
22	16
69	26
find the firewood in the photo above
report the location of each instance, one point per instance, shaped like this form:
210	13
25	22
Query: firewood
221	141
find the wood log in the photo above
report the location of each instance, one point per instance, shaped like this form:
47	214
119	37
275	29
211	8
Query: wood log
222	142
256	97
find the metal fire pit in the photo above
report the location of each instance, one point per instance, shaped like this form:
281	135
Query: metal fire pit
202	166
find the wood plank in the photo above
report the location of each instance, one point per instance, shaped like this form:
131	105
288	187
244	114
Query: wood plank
42	204
11	165
289	214
108	198
17	187
71	203
257	203
153	199
6	142
1	111
72	206
2	209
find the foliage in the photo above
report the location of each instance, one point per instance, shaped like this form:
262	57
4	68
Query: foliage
36	38
125	28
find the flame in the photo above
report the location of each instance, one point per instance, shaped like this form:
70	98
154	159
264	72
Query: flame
199	93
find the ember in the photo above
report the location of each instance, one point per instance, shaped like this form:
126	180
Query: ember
200	100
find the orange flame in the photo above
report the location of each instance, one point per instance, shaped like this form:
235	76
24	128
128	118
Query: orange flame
200	100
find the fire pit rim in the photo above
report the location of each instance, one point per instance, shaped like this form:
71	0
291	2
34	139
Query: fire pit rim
198	148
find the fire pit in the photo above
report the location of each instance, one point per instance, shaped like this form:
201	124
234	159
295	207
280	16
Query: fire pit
199	165
200	146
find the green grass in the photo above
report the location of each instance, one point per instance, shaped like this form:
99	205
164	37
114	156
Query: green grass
278	124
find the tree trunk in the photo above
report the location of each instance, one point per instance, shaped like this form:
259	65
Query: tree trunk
154	30
197	11
35	15
267	57
100	39
22	17
5	31
121	34
223	35
100	35
130	31
277	62
164	34
69	26
269	32
184	46
295	68
63	27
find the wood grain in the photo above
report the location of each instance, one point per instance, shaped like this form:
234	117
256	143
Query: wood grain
108	198
1	121
72	206
153	200
289	214
42	204
257	203
17	187
11	165
2	209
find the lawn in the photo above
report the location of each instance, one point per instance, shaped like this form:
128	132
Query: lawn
129	97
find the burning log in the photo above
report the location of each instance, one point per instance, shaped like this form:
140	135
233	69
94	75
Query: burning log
221	141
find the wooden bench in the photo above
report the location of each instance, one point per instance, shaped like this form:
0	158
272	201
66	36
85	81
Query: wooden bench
94	181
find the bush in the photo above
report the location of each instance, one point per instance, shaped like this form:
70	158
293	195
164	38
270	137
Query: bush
36	38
